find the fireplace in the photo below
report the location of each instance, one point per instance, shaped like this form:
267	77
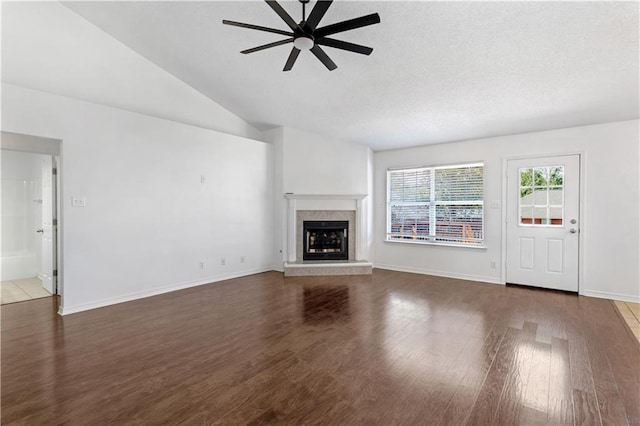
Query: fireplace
346	209
325	240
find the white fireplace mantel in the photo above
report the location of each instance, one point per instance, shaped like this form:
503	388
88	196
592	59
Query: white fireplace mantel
325	202
291	196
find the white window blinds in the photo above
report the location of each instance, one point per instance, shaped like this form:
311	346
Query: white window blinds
441	204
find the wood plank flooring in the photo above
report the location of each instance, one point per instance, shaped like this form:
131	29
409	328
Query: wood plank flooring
385	349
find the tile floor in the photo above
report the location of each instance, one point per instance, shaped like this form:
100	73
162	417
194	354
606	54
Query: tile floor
21	290
631	313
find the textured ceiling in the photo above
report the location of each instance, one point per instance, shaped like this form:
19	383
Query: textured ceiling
439	72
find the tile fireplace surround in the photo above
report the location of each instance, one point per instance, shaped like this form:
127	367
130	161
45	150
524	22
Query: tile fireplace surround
304	215
346	207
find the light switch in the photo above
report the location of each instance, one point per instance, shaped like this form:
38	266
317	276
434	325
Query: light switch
78	201
495	204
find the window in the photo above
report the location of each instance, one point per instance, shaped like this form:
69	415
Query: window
441	204
541	196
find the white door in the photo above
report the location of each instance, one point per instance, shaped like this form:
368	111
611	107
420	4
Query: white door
48	226
543	229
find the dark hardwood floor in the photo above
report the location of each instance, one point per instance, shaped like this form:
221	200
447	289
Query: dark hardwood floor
387	349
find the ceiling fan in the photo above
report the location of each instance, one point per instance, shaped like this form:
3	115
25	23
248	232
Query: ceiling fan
306	36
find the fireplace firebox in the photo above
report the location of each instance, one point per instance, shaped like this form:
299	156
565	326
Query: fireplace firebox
325	240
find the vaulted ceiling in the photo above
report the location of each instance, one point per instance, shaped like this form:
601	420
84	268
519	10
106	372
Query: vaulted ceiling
439	72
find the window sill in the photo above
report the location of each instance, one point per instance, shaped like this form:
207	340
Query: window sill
432	243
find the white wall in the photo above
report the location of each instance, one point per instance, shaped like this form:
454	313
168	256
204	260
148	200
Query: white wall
306	163
609	231
315	164
148	219
46	46
275	137
21	214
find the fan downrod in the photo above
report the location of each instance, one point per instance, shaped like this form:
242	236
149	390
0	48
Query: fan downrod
304	11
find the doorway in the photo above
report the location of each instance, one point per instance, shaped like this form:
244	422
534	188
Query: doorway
29	246
543	222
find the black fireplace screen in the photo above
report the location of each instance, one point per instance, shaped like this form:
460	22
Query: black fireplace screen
325	240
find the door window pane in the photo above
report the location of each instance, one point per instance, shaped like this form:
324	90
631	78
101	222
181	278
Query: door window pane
541	196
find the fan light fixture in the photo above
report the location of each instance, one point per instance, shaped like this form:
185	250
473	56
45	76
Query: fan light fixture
303	43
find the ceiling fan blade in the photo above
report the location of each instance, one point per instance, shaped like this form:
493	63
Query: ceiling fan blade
350	24
344	45
283	14
266	46
256	27
316	50
316	14
292	59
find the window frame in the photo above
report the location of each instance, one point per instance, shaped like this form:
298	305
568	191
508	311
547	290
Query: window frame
432	205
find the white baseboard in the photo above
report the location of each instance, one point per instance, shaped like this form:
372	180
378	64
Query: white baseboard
480	278
167	289
612	296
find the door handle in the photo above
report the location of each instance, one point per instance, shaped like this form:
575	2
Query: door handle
40	231
573	230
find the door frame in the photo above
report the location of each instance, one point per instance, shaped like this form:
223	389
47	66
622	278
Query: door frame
10	141
582	216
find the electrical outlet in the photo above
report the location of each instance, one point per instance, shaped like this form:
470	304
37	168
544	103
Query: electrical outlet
223	261
201	264
241	259
492	264
78	201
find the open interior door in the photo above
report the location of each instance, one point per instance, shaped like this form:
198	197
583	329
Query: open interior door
49	225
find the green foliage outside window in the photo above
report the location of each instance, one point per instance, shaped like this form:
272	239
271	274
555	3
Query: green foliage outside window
543	177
